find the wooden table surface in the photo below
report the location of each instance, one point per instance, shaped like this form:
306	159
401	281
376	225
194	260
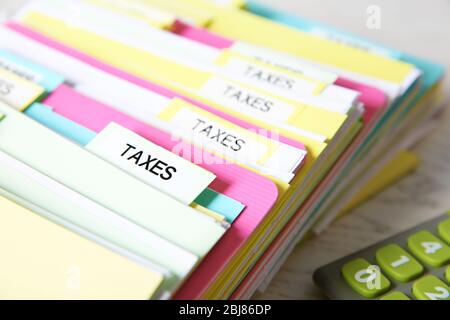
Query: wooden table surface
415	26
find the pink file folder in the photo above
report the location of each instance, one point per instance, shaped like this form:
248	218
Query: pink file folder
256	192
373	99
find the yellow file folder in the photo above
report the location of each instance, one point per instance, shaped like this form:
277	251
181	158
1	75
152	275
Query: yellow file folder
41	260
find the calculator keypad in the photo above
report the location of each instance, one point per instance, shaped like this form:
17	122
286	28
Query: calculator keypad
412	265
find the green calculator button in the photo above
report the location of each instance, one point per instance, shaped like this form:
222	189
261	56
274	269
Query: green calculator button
431	288
444	230
398	263
365	279
429	249
396	295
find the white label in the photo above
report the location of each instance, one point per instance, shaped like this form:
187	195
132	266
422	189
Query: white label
229	142
266	78
150	163
249	102
350	42
16	92
281	85
284	61
154	15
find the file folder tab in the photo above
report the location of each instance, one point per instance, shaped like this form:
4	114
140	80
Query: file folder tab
245	100
285	117
267	77
283	60
150	163
16	92
45	115
233	142
230	3
196	16
153	16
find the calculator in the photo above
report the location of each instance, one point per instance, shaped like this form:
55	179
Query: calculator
413	265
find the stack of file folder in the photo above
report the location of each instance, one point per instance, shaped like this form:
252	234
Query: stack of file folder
181	149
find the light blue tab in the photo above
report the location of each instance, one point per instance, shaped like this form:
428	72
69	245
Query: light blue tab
221	204
216	202
431	72
65	127
31	71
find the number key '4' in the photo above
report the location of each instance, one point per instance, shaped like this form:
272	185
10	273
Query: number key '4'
429	249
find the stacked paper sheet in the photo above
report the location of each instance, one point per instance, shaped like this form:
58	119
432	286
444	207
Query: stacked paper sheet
190	144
